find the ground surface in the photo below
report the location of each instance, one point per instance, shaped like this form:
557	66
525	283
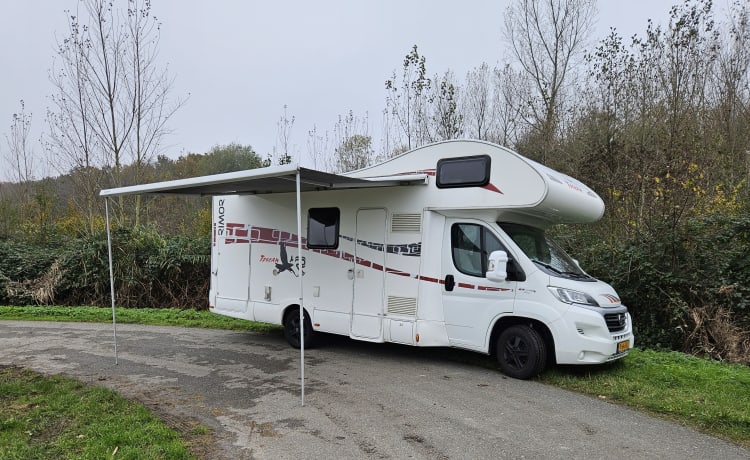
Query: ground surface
361	400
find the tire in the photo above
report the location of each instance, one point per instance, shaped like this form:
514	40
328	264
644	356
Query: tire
291	329
521	352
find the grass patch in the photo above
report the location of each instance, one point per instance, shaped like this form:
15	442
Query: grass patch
708	395
151	316
51	417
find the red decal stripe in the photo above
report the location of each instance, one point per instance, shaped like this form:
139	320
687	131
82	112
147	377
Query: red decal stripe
492	188
274	236
393	271
492	288
430	279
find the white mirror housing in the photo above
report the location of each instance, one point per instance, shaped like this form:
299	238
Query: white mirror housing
497	266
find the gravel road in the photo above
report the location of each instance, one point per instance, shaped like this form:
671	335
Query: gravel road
362	400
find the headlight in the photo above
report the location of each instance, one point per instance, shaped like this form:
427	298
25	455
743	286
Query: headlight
573	297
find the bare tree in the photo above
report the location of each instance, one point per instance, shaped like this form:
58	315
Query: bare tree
70	143
511	108
732	90
445	121
353	143
545	37
20	158
111	105
406	102
148	86
317	149
20	155
478	108
282	153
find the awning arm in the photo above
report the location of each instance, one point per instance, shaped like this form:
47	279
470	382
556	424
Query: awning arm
301	291
111	276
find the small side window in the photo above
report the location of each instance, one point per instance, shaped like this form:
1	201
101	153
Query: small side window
463	172
323	228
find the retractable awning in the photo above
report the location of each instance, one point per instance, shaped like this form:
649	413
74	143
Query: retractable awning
278	179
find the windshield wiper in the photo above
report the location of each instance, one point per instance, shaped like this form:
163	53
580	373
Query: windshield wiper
546	265
557	270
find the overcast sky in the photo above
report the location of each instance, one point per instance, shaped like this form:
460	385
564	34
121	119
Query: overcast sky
241	61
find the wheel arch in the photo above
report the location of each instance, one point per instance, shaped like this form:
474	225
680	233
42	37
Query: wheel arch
292	306
505	322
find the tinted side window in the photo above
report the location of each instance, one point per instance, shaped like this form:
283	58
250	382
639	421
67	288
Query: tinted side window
463	172
323	228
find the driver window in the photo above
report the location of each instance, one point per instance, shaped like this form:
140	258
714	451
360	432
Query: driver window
466	244
471	245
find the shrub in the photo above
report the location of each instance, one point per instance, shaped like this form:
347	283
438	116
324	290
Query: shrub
150	270
668	273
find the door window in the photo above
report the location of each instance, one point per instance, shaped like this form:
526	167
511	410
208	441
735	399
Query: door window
471	245
323	228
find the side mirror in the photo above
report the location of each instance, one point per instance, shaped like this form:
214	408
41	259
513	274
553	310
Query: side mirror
497	266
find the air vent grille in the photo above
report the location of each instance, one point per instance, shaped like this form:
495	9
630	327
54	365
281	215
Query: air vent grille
406	223
406	306
616	321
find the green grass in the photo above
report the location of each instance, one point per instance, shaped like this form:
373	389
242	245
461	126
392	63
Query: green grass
711	396
152	316
51	417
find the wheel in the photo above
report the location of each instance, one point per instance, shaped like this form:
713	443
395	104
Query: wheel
291	329
521	352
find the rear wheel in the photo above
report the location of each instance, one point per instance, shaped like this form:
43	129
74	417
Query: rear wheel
521	352
292	328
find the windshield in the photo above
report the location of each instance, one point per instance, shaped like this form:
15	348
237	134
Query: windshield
543	251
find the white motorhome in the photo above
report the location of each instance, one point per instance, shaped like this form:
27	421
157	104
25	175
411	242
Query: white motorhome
442	246
460	260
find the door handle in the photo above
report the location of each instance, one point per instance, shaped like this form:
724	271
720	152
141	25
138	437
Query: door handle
450	282
350	274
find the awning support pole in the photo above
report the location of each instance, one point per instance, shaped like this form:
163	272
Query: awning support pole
111	276
301	291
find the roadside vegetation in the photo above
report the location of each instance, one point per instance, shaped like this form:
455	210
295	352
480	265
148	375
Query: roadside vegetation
705	394
51	417
150	316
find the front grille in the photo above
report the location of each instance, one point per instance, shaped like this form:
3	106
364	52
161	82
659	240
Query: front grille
616	321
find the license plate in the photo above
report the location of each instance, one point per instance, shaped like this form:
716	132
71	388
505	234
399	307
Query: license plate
623	346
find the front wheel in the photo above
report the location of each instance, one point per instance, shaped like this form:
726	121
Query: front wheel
292	328
521	352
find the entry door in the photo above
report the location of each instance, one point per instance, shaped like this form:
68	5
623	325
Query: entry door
233	274
471	302
369	274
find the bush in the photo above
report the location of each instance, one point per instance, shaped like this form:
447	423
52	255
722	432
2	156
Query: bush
670	276
150	270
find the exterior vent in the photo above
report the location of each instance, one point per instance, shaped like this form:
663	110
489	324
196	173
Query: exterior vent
405	306
406	223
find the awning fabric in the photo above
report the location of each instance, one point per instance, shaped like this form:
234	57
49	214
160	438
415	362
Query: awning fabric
277	179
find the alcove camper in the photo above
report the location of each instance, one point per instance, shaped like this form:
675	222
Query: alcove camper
445	245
